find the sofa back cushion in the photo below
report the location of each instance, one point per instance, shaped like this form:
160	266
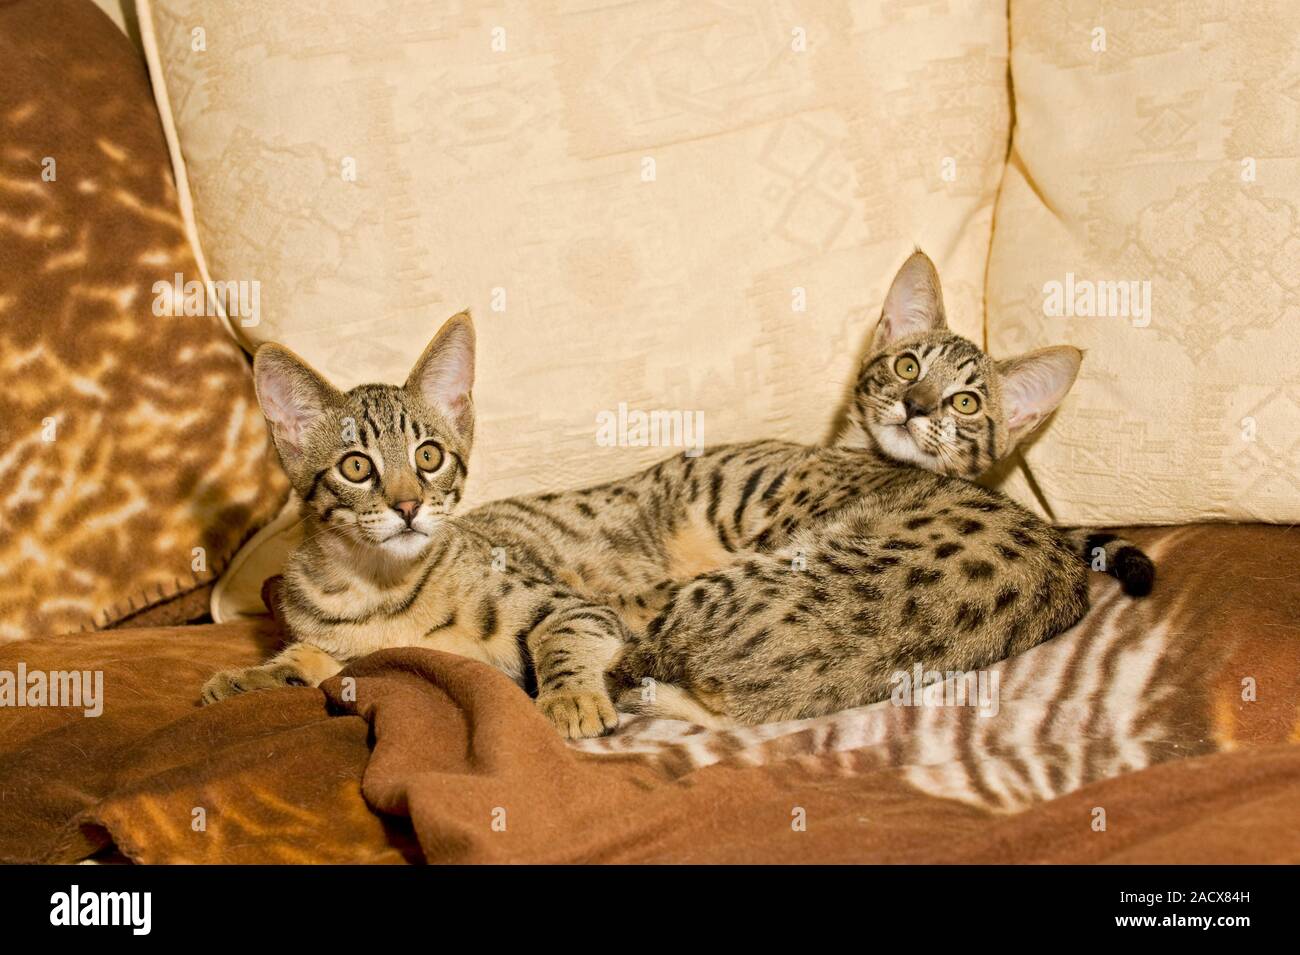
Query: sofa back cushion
1151	215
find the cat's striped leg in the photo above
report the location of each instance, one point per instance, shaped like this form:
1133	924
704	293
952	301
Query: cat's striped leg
299	664
570	646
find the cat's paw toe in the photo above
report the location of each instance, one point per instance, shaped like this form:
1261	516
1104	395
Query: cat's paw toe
230	683
579	714
223	685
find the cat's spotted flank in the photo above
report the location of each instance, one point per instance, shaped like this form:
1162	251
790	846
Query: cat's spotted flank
686	571
921	571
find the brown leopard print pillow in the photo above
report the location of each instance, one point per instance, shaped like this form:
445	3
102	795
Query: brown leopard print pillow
133	459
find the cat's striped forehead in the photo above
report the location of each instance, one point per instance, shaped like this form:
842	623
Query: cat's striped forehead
381	411
958	360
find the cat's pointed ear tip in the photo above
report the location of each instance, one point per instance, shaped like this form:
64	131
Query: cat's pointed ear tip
462	320
269	354
1071	354
919	267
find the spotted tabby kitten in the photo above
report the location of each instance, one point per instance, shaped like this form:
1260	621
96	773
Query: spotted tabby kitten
919	566
382	563
546	587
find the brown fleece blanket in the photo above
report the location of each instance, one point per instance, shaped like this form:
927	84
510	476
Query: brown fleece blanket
1163	730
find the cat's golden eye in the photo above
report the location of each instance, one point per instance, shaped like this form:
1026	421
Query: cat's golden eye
356	467
907	367
428	457
965	402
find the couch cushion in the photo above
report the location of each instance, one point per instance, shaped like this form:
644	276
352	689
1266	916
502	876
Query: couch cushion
132	455
1168	161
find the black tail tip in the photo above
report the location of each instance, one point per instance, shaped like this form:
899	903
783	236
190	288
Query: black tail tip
1135	571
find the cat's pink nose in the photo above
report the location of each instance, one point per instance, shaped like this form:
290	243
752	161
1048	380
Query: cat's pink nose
407	509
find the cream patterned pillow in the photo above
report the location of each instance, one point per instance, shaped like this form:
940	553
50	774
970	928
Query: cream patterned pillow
646	205
1151	215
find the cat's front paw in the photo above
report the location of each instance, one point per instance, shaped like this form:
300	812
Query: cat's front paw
229	683
578	714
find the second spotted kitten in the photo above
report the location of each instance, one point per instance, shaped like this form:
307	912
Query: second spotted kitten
919	567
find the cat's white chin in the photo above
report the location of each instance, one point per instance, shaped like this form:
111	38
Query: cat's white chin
405	544
896	442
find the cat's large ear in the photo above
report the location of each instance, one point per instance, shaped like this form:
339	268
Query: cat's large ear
444	375
292	397
1033	384
914	303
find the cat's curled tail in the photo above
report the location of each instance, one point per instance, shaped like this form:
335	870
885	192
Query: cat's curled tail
1114	555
